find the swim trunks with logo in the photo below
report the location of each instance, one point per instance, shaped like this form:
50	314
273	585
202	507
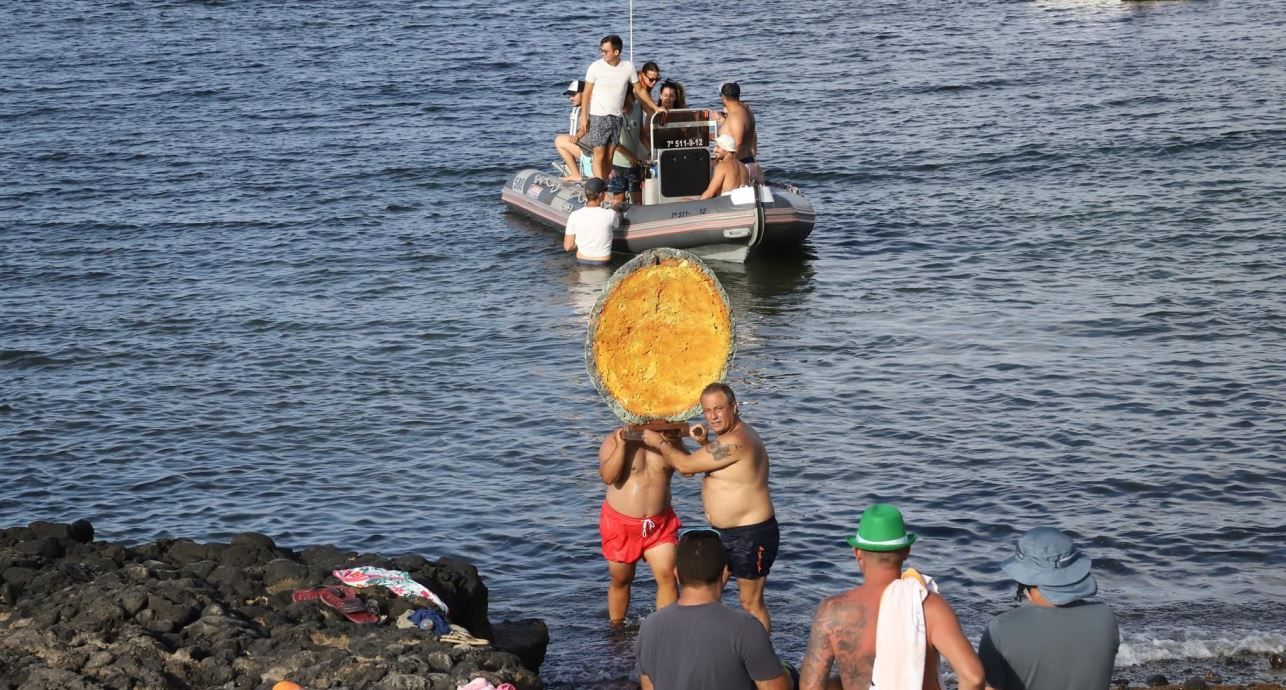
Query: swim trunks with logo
752	549
626	538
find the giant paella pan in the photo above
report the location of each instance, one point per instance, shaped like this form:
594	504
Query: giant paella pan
660	332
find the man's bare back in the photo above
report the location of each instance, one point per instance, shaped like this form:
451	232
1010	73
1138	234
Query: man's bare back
844	630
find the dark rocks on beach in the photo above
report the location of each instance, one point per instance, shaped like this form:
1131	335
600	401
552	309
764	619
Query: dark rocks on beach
174	614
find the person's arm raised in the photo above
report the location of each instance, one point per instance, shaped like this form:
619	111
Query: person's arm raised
944	633
645	98
714	456
611	457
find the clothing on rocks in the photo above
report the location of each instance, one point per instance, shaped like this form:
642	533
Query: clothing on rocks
705	647
424	619
901	634
484	684
1051	647
396	581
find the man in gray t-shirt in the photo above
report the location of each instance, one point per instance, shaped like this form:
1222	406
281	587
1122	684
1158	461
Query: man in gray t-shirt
1055	640
698	643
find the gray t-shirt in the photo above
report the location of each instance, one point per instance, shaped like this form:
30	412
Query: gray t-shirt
705	647
1042	648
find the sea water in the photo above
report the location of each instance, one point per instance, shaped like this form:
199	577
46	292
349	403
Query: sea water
255	276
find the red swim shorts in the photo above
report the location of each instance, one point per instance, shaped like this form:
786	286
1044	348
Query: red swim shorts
626	538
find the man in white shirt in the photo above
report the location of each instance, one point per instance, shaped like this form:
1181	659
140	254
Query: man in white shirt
589	229
606	82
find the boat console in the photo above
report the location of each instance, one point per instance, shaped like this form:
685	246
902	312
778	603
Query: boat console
681	152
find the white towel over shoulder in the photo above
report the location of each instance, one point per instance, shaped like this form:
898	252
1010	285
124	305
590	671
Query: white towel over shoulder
900	634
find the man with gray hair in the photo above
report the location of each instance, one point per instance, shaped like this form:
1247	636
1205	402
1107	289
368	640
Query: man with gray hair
1056	640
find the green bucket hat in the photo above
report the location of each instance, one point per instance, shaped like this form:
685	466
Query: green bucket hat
881	529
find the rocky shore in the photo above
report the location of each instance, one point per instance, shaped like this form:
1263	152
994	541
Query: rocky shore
173	614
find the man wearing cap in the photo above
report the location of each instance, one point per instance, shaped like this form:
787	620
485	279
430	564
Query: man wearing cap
729	173
698	643
1055	640
734	492
606	82
566	144
739	122
890	631
589	229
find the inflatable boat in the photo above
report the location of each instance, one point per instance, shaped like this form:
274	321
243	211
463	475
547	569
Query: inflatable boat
731	227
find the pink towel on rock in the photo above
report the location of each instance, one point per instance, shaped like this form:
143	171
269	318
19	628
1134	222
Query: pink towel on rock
900	634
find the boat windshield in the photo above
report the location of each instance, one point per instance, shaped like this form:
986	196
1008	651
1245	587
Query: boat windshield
681	129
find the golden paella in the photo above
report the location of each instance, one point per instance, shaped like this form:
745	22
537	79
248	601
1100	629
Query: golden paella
661	331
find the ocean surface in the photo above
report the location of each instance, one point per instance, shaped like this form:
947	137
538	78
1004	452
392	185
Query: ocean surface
255	275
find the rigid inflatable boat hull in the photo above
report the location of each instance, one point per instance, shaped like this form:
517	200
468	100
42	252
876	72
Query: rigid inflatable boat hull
714	229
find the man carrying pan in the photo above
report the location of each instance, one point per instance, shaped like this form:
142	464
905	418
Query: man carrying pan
636	520
734	491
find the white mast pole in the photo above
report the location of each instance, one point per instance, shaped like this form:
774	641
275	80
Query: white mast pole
631	32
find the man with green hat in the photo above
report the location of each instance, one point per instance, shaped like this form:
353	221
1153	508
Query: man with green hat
893	627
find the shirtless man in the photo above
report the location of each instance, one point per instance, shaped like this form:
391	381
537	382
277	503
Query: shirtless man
843	632
636	521
734	492
739	122
729	173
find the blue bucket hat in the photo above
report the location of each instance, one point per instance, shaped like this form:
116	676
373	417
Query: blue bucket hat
1047	558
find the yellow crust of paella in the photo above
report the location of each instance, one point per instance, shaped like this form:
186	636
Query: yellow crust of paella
664	332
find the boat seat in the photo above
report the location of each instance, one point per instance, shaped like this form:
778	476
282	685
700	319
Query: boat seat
684	172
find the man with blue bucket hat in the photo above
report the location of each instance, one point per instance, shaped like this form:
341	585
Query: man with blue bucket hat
1056	640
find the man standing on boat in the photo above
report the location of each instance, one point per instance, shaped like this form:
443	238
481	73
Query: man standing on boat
739	122
734	492
606	82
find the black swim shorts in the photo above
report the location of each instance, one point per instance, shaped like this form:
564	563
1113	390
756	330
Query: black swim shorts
625	179
751	549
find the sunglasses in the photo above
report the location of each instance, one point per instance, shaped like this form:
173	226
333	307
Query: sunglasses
699	532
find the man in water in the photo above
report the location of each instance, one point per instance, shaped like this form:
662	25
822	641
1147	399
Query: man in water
1056	640
636	521
734	492
606	82
589	229
700	644
844	628
729	173
739	122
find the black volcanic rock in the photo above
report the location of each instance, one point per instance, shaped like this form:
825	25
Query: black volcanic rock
177	614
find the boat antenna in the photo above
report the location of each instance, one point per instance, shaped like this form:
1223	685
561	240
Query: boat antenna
631	32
